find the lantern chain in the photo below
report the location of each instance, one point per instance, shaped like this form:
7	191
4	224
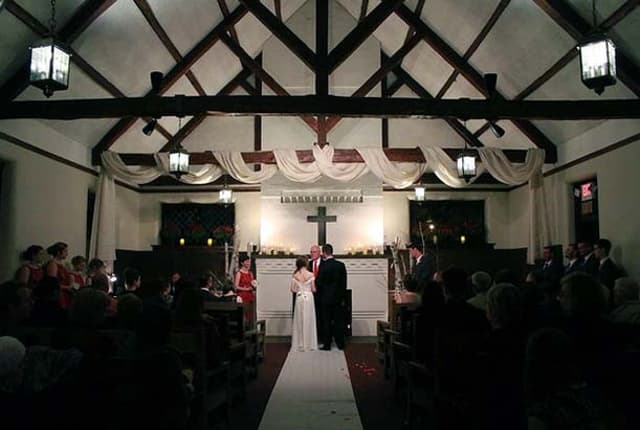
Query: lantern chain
52	21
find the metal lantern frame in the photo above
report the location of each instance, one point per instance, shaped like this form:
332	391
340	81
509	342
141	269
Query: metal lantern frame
178	161
466	164
49	62
598	62
420	192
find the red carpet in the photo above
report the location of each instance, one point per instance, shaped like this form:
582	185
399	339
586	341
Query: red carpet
376	404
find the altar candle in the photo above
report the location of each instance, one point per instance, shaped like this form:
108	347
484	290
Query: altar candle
463	239
210	242
181	241
435	239
226	258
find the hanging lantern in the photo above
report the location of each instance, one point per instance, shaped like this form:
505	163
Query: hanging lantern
598	63
49	63
178	161
419	192
225	195
466	164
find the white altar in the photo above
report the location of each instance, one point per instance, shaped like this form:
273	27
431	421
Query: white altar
366	278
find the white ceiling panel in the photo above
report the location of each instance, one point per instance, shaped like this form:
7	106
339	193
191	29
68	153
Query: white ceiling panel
222	134
427	67
513	138
458	23
14	45
41	10
187	23
523	44
217	67
627	36
122	46
410	133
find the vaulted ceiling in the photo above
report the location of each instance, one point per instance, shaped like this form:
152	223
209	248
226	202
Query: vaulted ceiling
428	49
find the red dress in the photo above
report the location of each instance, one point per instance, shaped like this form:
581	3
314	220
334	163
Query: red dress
247	296
64	277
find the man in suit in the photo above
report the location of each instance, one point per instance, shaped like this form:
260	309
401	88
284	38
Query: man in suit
607	270
551	269
331	286
315	254
589	261
423	269
571	254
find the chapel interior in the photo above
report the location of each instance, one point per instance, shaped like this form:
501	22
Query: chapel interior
472	163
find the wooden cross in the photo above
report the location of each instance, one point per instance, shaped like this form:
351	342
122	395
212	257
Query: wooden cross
322	219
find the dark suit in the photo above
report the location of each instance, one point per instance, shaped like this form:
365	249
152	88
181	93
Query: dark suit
423	271
608	272
552	271
570	268
590	266
331	289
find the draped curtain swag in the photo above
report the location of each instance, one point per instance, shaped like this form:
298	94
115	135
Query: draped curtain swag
398	175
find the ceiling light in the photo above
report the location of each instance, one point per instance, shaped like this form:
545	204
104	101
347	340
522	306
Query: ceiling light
466	162
49	63
597	59
419	191
178	157
496	130
151	125
225	195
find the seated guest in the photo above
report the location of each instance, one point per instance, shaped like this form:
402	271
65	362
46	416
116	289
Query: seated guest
480	282
573	259
153	292
78	264
132	281
129	309
56	268
31	271
162	393
588	261
504	349
15	306
557	395
627	301
34	385
88	308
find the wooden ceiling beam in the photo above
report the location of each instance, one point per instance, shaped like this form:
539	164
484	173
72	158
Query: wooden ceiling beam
421	92
361	32
87	13
153	22
182	67
354	107
387	66
282	32
472	75
417	11
224	8
363	10
578	28
491	22
262	74
400	155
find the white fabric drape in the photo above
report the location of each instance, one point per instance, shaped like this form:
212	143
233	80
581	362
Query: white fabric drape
114	165
503	170
198	175
102	244
233	163
445	168
398	175
343	172
292	169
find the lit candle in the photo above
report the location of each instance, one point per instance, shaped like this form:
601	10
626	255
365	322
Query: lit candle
181	241
210	242
435	239
463	239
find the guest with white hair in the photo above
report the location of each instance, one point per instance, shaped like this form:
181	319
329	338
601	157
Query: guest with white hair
481	282
627	301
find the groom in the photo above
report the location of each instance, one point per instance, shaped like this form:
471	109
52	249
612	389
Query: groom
331	286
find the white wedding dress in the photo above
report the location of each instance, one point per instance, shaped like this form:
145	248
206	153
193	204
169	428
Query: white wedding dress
304	336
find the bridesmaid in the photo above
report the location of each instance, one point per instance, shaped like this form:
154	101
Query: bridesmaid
244	286
56	269
31	273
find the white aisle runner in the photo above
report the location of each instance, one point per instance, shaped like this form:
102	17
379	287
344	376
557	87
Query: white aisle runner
313	391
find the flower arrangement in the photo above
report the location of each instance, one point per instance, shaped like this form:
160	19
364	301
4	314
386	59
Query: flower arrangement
196	234
223	233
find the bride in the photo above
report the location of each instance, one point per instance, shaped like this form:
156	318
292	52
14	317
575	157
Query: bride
304	336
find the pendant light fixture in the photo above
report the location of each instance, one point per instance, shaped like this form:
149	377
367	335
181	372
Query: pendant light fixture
178	158
49	63
597	59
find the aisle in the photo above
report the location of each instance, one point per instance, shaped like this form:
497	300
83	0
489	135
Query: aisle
313	391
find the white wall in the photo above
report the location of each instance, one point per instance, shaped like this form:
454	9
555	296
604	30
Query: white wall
43	201
396	213
619	204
